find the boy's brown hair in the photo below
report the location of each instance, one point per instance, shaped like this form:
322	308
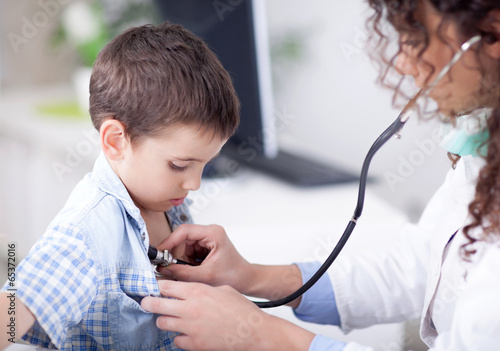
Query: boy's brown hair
151	77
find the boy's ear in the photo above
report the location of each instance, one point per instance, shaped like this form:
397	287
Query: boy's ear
113	139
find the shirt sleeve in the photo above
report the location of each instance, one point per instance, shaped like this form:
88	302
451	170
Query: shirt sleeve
318	304
57	281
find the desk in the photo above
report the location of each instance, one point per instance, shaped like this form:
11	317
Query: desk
271	222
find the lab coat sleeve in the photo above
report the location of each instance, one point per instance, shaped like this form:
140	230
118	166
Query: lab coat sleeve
386	286
476	323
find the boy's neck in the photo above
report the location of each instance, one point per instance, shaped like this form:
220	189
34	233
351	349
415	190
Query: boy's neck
157	226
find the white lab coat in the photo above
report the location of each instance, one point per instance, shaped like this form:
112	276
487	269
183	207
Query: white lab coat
422	276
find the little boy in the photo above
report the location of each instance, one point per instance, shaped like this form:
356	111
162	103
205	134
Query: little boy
164	106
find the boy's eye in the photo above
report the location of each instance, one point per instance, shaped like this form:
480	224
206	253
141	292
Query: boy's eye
176	168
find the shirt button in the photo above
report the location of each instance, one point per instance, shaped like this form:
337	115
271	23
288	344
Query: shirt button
143	236
183	217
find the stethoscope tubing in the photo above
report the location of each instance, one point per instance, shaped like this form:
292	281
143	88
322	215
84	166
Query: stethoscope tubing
392	130
381	140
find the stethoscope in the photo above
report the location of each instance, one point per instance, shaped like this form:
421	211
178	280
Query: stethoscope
165	258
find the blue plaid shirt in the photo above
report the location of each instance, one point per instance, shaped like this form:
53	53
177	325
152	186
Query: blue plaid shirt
85	277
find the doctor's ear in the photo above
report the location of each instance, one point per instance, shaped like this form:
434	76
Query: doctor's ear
113	139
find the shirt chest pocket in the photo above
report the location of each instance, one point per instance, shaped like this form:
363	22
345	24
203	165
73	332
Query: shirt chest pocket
132	328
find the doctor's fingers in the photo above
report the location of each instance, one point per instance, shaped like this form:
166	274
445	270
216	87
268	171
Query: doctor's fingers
163	306
196	293
222	266
178	290
207	236
185	326
187	273
194	336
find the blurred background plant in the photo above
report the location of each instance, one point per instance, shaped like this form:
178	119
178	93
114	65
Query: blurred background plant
88	25
82	27
123	14
288	52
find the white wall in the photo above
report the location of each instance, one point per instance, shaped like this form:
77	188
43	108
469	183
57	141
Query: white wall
339	108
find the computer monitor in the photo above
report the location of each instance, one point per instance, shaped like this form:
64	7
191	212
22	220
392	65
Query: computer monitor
236	30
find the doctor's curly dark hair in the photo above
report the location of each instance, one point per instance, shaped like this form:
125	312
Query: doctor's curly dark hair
473	17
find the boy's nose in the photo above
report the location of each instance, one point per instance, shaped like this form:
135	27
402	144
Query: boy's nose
192	183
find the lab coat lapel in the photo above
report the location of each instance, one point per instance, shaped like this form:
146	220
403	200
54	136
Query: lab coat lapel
454	216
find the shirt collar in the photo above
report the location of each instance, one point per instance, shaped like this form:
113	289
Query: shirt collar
109	182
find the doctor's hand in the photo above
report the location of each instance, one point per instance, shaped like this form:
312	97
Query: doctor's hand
219	318
221	263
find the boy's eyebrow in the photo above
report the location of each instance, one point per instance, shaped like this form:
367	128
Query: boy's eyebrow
197	160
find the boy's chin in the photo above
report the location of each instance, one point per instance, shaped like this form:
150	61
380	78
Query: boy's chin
165	208
159	207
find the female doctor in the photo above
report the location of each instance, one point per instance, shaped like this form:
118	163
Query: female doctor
445	270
